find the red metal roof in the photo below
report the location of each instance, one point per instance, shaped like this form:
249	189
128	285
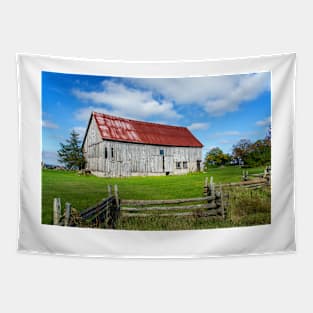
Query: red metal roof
121	129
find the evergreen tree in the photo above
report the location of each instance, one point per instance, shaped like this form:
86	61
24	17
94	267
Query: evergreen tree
71	154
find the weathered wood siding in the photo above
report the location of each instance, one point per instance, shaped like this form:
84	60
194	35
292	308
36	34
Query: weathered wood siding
115	159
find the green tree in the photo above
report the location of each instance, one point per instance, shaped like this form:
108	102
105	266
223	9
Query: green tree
241	150
217	157
70	153
253	154
260	154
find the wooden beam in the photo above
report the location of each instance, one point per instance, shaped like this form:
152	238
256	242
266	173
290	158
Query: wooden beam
200	214
163	208
169	201
249	182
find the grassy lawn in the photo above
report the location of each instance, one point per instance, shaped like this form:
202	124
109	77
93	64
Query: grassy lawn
84	191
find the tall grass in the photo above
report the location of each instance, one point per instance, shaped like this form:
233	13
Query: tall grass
249	206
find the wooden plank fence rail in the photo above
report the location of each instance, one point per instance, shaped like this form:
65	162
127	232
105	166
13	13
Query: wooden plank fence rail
169	201
179	214
261	181
181	207
103	205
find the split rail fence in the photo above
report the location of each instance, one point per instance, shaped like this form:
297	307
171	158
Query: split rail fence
211	204
103	214
106	213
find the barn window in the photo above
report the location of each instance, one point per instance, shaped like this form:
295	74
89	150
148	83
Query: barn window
178	164
105	152
185	165
161	152
112	153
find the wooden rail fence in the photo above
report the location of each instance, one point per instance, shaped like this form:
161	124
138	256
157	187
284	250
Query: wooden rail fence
211	204
265	177
106	213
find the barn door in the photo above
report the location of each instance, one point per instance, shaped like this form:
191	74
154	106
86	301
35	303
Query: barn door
168	163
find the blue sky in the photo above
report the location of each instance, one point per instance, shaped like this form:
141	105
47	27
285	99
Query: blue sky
218	110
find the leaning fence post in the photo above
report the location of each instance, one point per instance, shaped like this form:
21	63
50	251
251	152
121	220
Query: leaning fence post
56	210
68	208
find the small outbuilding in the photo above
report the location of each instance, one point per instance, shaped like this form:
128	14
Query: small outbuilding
117	147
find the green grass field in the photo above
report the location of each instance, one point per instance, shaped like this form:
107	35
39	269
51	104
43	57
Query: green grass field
246	207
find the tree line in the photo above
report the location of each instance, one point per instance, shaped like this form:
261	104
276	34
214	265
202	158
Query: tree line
244	152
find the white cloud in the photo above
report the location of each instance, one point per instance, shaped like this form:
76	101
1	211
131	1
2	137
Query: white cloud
188	90
118	99
80	130
84	113
198	126
248	88
216	95
265	122
227	133
49	124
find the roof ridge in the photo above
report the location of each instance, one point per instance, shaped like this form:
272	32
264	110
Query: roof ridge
138	121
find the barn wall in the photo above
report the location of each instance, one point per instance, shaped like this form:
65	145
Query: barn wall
130	159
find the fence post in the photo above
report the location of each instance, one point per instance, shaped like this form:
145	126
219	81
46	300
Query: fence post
116	195
222	208
68	208
212	193
206	187
56	211
117	208
211	190
109	190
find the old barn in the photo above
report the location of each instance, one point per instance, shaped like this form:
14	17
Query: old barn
117	147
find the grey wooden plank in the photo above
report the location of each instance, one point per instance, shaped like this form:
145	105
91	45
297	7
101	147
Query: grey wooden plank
183	207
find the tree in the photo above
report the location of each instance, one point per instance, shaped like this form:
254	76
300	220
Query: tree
253	154
268	137
241	150
260	154
216	157
71	154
